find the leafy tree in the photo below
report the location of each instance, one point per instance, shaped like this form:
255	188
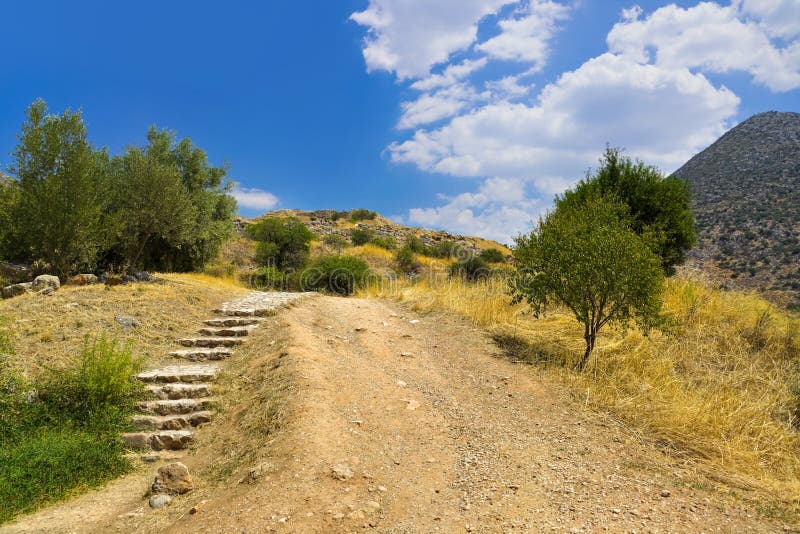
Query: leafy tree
283	243
587	257
473	268
660	207
406	261
337	274
361	236
209	191
362	215
62	190
150	200
9	198
335	241
416	245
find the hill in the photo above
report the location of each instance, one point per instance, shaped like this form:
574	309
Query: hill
746	189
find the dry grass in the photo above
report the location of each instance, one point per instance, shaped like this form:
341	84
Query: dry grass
720	386
48	332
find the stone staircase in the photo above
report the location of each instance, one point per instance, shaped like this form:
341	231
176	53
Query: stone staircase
181	397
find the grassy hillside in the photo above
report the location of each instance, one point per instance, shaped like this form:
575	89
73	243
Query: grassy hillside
719	387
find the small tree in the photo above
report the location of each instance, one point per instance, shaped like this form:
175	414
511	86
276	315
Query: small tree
361	236
9	197
660	207
586	257
283	243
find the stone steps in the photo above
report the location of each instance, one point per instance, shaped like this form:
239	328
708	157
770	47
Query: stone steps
172	422
180	373
164	440
201	354
232	321
210	342
172	391
227	331
175	407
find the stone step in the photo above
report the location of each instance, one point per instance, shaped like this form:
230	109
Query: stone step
227	331
232	321
170	440
210	342
178	391
246	312
200	355
172	422
180	373
175	407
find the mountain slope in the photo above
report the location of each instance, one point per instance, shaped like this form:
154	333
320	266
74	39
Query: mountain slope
746	189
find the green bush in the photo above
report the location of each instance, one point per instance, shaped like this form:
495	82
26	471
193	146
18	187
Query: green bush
492	255
416	245
269	278
362	215
385	242
283	243
62	432
361	236
335	241
473	268
406	260
447	249
336	274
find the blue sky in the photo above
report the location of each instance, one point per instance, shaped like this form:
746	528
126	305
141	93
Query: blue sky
466	115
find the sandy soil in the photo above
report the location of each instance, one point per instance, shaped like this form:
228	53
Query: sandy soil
429	428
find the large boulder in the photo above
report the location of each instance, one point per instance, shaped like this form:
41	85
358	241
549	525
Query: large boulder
16	290
173	479
83	279
45	282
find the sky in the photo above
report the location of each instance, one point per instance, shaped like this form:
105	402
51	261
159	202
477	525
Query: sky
463	115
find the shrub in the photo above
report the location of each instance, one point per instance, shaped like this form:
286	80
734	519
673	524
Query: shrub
416	245
269	278
473	268
362	215
335	241
406	260
448	249
492	255
337	274
361	236
385	242
283	243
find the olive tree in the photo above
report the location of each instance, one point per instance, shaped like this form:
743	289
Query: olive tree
586	257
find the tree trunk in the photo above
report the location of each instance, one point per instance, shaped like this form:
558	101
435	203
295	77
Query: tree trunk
590	336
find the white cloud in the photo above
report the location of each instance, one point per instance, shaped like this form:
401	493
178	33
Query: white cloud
429	108
527	38
252	198
411	36
779	18
499	210
450	76
712	38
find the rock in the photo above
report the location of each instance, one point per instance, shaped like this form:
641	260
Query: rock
173	479
371	507
127	323
111	280
129	278
16	290
341	472
47	291
406	355
382	489
144	276
198	507
665	493
44	281
83	279
159	501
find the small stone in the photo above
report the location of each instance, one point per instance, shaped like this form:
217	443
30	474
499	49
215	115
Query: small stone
414	321
665	493
382	488
401	383
412	405
173	479
341	472
338	516
372	506
406	355
198	507
159	501
149	458
127	323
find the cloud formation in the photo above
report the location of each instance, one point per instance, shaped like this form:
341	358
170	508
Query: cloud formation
256	199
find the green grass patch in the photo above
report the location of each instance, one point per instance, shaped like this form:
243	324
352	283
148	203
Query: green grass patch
61	434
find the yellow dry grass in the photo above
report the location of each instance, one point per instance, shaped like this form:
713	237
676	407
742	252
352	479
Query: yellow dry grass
719	386
48	331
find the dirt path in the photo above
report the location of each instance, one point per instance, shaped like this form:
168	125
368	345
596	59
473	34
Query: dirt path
439	433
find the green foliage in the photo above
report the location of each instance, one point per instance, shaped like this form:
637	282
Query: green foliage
473	269
335	241
62	184
362	215
492	255
341	275
660	207
587	258
385	242
406	260
62	433
361	236
9	199
447	249
269	277
283	243
150	200
416	245
6	343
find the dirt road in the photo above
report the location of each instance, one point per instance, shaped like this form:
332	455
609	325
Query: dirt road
397	423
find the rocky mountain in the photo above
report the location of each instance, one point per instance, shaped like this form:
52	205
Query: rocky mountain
746	189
